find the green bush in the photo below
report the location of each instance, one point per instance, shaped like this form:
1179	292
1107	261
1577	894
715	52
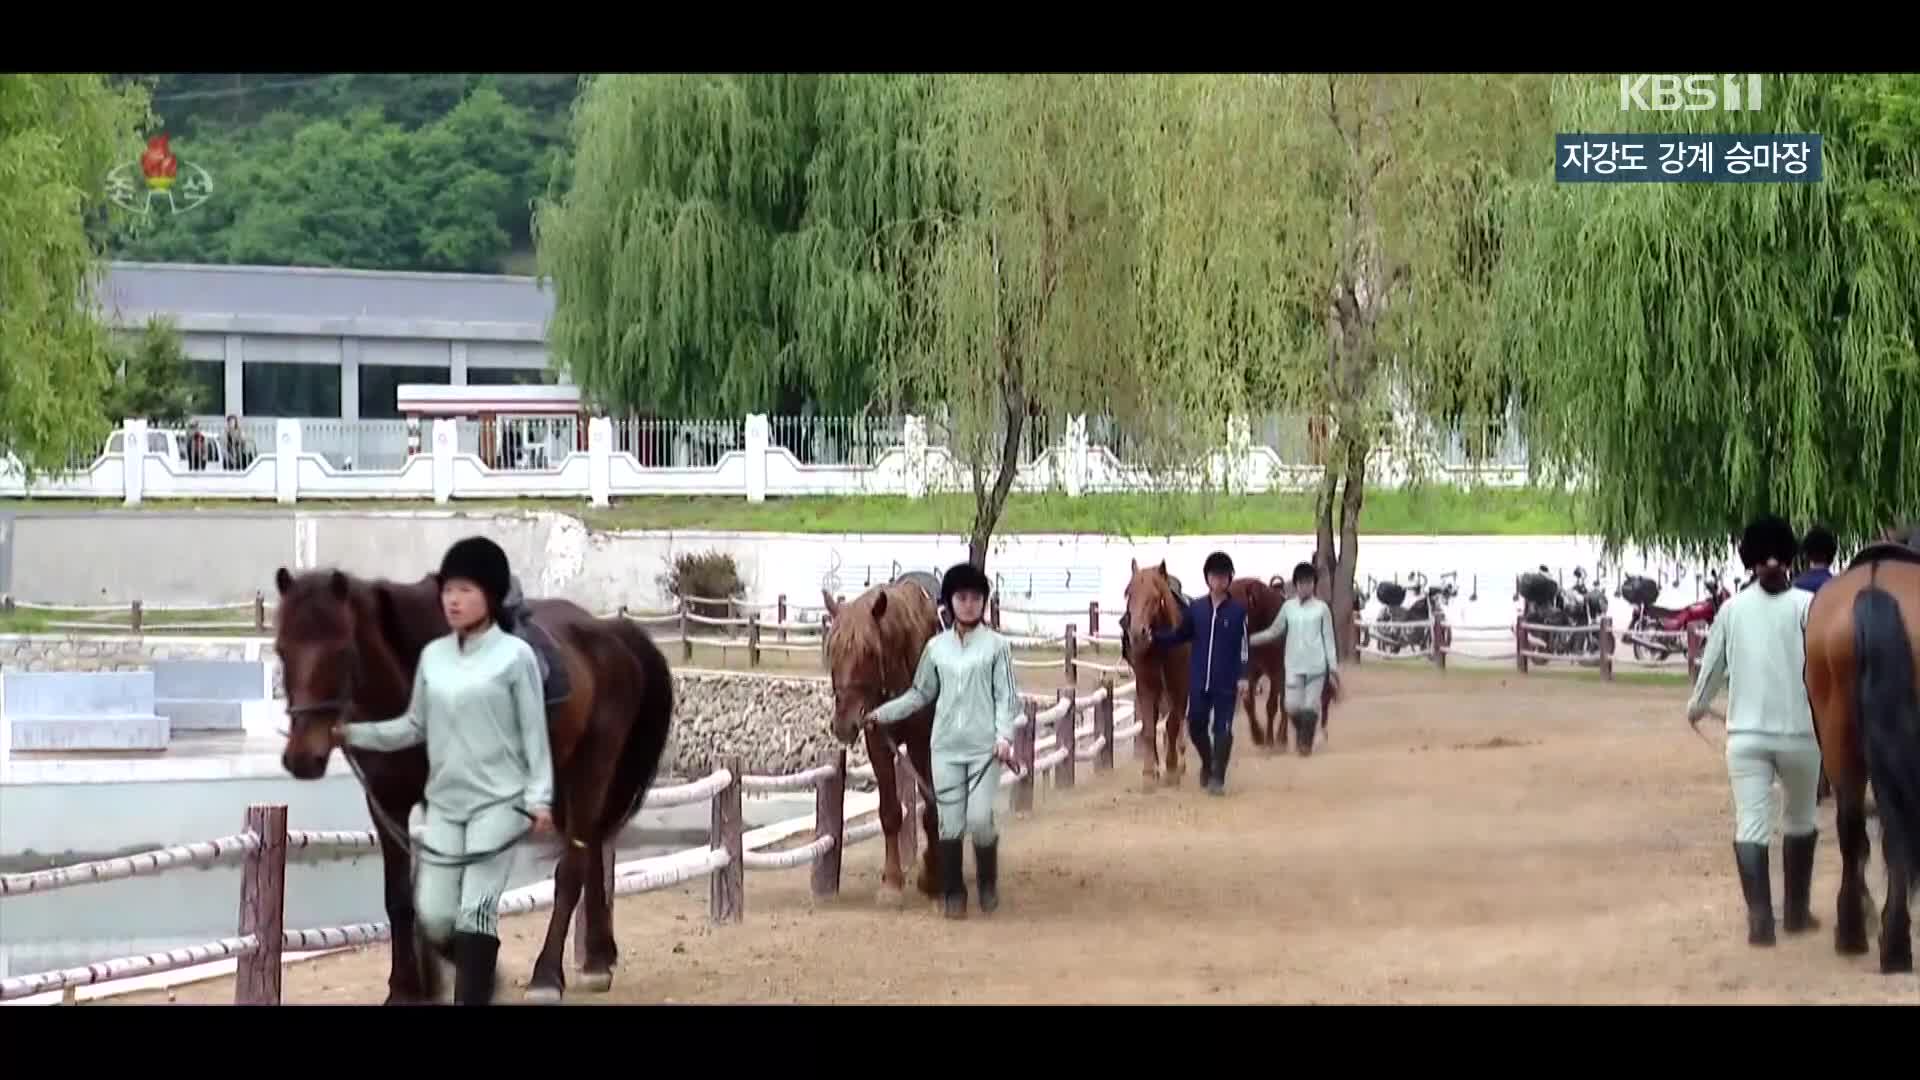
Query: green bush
712	575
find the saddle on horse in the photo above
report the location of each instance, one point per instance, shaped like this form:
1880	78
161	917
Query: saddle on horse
553	669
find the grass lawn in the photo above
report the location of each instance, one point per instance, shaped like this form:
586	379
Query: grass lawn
1431	511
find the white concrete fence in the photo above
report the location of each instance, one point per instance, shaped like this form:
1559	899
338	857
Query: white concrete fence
142	462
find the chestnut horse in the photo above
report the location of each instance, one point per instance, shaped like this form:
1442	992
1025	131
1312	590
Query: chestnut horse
349	648
1160	674
1863	646
1263	601
872	652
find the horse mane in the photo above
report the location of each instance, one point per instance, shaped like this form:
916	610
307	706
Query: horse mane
1263	601
900	633
1163	594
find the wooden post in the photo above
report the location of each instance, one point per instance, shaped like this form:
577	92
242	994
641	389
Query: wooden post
1072	650
134	617
1063	730
1103	727
1093	622
1606	648
994	613
830	819
263	894
1694	648
259	610
1434	626
780	611
1023	737
686	635
608	855
727	895
1520	643
753	638
622	612
909	806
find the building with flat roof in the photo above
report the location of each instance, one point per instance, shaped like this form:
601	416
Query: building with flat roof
280	341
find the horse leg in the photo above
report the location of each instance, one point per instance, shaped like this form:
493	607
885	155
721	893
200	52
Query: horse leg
1896	928
1850	822
1254	728
548	983
596	967
1176	721
921	754
411	977
1147	706
893	880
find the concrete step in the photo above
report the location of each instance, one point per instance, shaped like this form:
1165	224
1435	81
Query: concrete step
202	714
87	731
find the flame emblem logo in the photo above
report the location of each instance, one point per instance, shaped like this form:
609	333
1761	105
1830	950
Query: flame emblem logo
178	186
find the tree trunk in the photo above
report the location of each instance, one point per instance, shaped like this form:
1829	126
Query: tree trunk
1353	493
989	502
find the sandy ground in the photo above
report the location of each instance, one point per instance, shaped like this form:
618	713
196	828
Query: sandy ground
1467	837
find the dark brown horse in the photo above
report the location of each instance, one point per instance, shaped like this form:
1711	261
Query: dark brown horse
872	653
1160	674
1863	647
349	648
1263	601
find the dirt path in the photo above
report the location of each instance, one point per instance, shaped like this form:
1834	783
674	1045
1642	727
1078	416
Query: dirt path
1472	837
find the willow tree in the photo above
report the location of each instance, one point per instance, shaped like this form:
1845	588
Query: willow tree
60	135
1350	201
1021	302
1697	354
723	242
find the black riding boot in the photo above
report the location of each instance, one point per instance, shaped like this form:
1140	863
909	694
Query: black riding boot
1222	753
1756	884
1798	857
986	868
953	881
1304	722
474	959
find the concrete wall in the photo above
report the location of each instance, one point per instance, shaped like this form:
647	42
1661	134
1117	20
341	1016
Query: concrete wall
223	557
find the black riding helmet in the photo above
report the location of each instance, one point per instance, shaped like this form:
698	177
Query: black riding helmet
963	577
480	560
1768	537
1217	563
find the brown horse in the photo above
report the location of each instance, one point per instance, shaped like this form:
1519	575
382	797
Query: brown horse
872	653
1160	674
1263	601
1863	646
349	648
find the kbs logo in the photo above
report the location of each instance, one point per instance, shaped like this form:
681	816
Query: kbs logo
1693	93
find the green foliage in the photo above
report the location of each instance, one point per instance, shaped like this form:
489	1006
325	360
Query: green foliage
154	380
713	575
416	172
59	137
1695	355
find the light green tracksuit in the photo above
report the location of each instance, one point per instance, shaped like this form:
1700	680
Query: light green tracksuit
975	703
1311	656
480	710
1757	648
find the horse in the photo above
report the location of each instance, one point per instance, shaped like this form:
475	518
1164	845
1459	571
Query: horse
1154	602
350	647
1263	601
872	652
1862	649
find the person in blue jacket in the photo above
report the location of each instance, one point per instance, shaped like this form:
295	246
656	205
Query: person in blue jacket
1219	662
1820	547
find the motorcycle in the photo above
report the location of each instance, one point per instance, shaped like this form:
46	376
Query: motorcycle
1548	605
1417	633
1650	619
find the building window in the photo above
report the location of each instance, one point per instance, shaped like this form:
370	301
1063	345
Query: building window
380	387
209	381
290	390
512	377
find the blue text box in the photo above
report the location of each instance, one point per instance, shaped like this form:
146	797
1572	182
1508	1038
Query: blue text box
1665	158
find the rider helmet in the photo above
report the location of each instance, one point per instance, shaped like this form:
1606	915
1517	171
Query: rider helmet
963	577
1768	537
479	560
1218	563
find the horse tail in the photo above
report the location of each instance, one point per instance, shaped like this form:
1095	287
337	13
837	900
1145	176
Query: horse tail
647	740
1888	708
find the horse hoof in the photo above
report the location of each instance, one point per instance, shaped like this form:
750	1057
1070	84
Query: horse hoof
891	896
594	982
542	995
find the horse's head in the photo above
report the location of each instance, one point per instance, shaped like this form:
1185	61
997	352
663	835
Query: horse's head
1151	605
873	648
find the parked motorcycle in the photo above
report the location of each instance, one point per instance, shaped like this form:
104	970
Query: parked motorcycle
1417	633
1548	605
1649	617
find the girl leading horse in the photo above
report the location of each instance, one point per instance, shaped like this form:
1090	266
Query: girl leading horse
1863	647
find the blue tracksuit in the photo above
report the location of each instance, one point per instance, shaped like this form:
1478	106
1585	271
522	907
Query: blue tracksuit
1811	580
1219	659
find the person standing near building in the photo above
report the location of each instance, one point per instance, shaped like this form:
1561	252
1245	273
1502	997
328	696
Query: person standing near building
1313	663
1820	548
1219	663
1757	649
966	673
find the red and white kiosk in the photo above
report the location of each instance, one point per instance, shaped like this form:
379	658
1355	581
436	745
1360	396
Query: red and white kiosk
527	420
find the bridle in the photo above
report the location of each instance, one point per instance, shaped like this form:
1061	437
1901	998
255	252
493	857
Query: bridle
342	706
